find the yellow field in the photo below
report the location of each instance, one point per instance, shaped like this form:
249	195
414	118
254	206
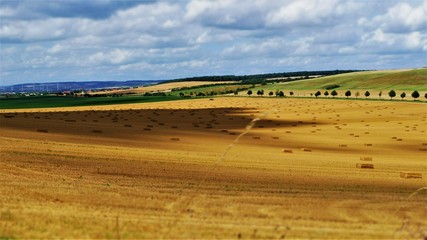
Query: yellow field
189	169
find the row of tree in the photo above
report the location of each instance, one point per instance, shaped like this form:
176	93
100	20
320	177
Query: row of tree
261	93
415	94
334	93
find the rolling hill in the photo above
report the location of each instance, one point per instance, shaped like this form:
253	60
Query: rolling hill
407	79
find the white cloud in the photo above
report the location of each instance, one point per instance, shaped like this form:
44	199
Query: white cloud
401	28
402	18
414	40
57	48
202	37
39	30
382	42
116	56
147	17
310	13
231	14
7	12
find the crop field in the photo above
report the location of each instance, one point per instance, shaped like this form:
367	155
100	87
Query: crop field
229	167
63	101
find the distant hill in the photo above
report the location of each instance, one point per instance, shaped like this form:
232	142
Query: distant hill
408	79
69	86
257	78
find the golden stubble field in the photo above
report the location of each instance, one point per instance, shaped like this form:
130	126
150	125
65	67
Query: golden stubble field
167	170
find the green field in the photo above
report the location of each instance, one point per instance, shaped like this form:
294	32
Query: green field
56	101
208	89
405	80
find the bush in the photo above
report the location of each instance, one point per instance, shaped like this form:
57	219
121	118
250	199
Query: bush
280	94
415	94
348	93
332	86
357	94
392	94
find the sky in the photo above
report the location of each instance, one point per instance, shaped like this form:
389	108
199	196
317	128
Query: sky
78	40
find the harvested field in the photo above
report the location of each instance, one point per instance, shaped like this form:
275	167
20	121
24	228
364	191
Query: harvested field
205	169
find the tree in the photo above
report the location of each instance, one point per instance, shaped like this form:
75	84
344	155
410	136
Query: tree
270	93
425	95
181	94
392	94
291	93
367	94
334	93
326	93
357	94
348	93
260	92
317	94
380	94
280	94
403	95
415	94
250	92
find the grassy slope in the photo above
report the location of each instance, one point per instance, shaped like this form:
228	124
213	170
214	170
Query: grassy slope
204	89
371	80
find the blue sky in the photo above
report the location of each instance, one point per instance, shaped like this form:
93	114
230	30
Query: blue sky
77	40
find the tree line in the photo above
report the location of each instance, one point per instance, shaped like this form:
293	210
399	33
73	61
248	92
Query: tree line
415	94
258	78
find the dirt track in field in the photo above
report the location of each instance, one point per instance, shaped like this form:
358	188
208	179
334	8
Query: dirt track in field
157	170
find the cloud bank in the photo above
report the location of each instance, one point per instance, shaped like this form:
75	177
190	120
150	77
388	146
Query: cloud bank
42	41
